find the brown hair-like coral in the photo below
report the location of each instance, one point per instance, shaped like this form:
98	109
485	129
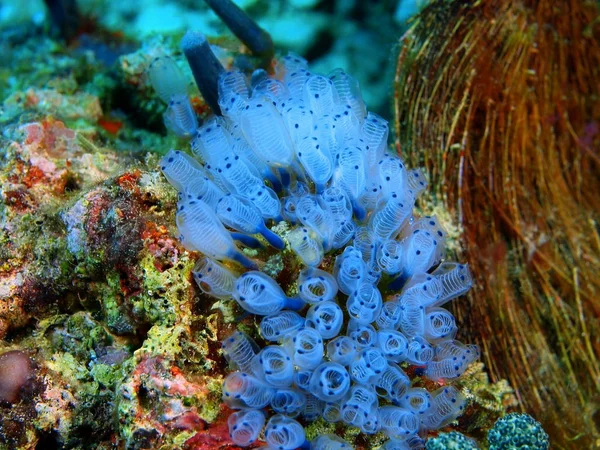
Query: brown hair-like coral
500	101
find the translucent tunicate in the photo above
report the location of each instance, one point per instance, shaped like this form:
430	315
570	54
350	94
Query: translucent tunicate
265	199
276	326
332	412
316	285
432	225
189	177
166	78
180	116
272	89
420	250
303	148
302	379
395	444
300	121
320	94
416	181
418	400
330	382
393	344
329	442
290	402
390	257
240	349
420	351
274	365
342	350
258	293
313	408
427	288
390	315
392	175
241	390
361	401
181	169
439	324
213	278
349	270
312	215
245	426
288	64
342	233
350	174
202	230
392	383
364	304
325	317
232	82
412	318
368	366
348	92
391	214
371	195
317	164
295	80
363	335
375	134
284	433
447	404
266	133
397	422
366	242
451	360
309	249
306	347
212	141
240	214
336	202
456	280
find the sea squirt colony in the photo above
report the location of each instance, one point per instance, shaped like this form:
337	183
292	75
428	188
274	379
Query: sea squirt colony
311	138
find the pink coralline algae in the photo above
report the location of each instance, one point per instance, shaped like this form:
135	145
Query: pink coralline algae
161	397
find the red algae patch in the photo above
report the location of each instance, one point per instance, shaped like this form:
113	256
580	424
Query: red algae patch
15	371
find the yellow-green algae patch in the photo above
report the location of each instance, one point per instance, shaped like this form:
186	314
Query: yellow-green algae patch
165	294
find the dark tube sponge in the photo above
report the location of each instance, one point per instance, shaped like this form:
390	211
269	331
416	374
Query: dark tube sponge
65	17
205	66
255	38
16	370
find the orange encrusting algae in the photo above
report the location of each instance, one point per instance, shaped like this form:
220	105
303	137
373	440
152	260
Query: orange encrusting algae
500	101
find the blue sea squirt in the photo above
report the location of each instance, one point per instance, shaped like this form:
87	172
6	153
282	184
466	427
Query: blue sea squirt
302	148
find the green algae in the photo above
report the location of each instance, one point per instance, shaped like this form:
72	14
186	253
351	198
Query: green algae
274	265
164	340
318	428
105	375
67	345
163	292
210	406
353	435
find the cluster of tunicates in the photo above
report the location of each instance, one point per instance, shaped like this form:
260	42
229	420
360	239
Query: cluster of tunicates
302	148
